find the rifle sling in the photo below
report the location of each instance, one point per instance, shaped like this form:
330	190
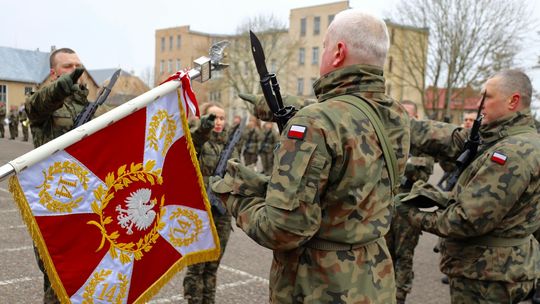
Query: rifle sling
388	152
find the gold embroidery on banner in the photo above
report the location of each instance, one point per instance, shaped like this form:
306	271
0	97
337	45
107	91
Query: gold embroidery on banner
90	289
168	131
188	221
122	179
107	293
63	186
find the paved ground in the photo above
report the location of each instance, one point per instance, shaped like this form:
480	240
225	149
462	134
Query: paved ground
242	277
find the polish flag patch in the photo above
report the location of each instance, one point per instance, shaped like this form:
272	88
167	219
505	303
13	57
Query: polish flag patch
297	132
499	158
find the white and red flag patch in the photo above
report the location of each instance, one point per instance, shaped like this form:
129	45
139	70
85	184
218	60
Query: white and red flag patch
120	212
297	132
499	158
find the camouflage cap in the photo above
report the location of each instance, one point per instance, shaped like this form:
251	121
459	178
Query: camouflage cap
261	109
240	180
248	97
425	195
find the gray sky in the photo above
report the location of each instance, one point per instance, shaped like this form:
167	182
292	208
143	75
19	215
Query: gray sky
120	33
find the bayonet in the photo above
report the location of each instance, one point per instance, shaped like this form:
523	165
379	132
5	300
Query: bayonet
270	85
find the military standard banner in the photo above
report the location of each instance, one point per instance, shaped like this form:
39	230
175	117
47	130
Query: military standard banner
115	215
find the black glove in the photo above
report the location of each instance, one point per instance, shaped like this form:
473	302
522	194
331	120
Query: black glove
207	121
68	82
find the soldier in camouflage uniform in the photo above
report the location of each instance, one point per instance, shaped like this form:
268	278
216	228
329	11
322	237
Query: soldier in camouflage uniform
209	138
52	111
2	119
488	251
328	203
266	150
13	124
24	123
251	140
402	237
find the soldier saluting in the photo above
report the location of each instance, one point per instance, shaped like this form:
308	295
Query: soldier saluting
52	111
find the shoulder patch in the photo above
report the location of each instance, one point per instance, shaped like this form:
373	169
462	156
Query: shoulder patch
297	132
499	158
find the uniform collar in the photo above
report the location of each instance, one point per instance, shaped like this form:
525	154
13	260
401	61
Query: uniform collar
500	128
354	78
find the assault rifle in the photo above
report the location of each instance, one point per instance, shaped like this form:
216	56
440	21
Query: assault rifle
221	167
270	86
470	149
89	111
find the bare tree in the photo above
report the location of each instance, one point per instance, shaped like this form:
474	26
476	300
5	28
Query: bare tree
279	49
469	39
147	76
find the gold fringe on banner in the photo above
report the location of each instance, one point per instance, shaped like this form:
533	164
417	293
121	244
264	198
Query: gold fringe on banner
39	243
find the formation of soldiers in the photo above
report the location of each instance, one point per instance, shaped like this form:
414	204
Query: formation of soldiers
13	119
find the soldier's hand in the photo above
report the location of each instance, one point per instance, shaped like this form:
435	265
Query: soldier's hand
68	82
208	121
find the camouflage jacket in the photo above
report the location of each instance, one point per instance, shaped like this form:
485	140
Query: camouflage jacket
2	113
52	111
268	141
417	168
209	146
496	196
251	139
330	184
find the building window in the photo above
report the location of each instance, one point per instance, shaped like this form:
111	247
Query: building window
3	94
316	25
178	65
300	87
170	43
315	55
301	56
163	44
215	96
392	32
273	66
390	61
303	27
330	19
170	67
27	91
162	67
178	41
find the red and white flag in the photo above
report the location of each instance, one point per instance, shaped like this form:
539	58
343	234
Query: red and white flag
118	213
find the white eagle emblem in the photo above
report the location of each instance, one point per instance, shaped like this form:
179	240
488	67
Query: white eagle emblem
139	212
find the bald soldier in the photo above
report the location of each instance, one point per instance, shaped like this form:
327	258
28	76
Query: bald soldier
327	205
487	251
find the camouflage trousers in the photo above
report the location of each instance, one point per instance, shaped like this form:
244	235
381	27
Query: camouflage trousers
13	131
25	133
250	158
401	240
467	291
49	297
2	130
267	159
200	279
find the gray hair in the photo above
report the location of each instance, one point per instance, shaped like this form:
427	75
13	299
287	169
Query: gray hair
514	81
365	35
